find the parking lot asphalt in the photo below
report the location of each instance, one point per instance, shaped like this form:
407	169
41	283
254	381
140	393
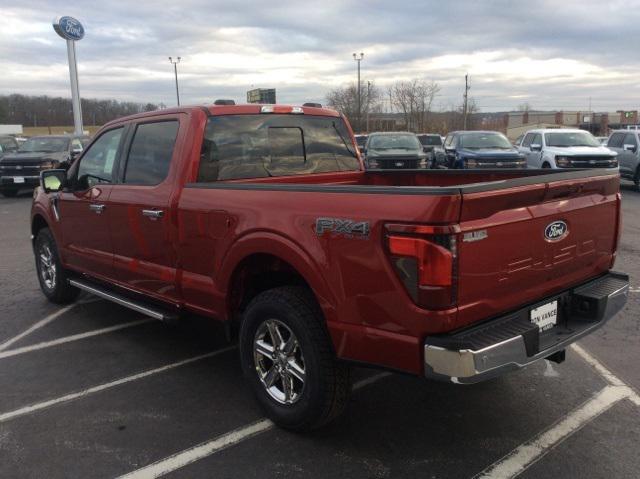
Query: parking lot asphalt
96	390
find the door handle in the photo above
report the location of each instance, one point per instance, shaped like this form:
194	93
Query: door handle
153	214
97	209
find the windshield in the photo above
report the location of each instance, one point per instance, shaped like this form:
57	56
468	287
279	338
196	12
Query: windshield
394	142
484	141
571	138
44	145
7	144
257	146
430	140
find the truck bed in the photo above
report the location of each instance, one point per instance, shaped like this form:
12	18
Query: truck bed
512	266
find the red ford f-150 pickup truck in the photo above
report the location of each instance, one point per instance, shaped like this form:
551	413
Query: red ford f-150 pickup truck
263	217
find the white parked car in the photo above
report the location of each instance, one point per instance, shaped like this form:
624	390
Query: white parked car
565	148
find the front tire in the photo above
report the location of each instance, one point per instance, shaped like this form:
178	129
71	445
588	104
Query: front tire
52	276
287	356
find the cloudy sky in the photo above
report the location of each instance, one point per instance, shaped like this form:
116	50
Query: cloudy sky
551	54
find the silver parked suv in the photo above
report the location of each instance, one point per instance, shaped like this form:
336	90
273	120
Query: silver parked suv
625	143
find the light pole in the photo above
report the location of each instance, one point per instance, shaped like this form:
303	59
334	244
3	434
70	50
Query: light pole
175	71
358	58
368	103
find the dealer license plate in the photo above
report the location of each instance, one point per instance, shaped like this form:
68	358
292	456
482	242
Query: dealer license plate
18	179
545	316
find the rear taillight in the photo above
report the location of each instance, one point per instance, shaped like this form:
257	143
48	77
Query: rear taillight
425	259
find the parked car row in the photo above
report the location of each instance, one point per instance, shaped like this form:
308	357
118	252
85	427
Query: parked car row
20	167
558	148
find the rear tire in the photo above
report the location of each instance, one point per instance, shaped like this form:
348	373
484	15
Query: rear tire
546	165
53	278
295	377
9	193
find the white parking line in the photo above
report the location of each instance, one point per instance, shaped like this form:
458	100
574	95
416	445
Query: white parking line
189	456
522	457
35	327
606	374
73	337
206	449
86	392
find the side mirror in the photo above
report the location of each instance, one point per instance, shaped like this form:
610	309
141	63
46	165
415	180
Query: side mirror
75	153
53	180
535	147
631	148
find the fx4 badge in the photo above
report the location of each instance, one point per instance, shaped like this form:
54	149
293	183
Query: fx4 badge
347	228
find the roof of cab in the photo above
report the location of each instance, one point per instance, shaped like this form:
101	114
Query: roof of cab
214	110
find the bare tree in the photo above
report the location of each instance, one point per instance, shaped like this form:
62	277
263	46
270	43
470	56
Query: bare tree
414	99
524	106
345	100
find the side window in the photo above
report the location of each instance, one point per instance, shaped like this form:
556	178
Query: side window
616	140
630	139
527	140
537	139
150	153
96	165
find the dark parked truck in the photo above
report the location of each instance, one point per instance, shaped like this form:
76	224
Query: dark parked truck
21	169
394	151
263	217
478	149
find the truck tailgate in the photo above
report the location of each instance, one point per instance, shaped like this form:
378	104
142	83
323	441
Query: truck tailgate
505	258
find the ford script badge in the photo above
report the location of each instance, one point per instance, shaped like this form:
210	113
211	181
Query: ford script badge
556	231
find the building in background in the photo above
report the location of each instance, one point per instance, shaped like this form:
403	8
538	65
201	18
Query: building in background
262	95
598	123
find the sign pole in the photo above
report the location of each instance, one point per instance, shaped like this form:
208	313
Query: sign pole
72	31
75	90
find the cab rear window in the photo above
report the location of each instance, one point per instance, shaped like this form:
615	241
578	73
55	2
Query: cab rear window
259	146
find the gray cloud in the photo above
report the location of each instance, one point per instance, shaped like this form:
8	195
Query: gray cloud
550	54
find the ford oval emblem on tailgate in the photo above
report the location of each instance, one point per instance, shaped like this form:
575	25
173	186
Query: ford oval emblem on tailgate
556	231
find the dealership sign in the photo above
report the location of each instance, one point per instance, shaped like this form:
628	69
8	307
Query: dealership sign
68	28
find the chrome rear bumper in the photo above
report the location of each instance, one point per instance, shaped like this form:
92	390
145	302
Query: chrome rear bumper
581	310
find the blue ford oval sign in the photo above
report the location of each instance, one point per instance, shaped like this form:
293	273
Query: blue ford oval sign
68	28
556	231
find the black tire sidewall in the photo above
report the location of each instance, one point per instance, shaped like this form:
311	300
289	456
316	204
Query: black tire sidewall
310	406
62	292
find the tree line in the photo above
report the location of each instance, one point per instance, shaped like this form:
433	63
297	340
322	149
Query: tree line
412	99
57	111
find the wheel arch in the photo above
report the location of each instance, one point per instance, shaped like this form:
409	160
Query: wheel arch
263	261
38	222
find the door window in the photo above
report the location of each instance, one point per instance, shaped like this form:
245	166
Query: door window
150	153
527	140
537	139
616	140
630	139
97	163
